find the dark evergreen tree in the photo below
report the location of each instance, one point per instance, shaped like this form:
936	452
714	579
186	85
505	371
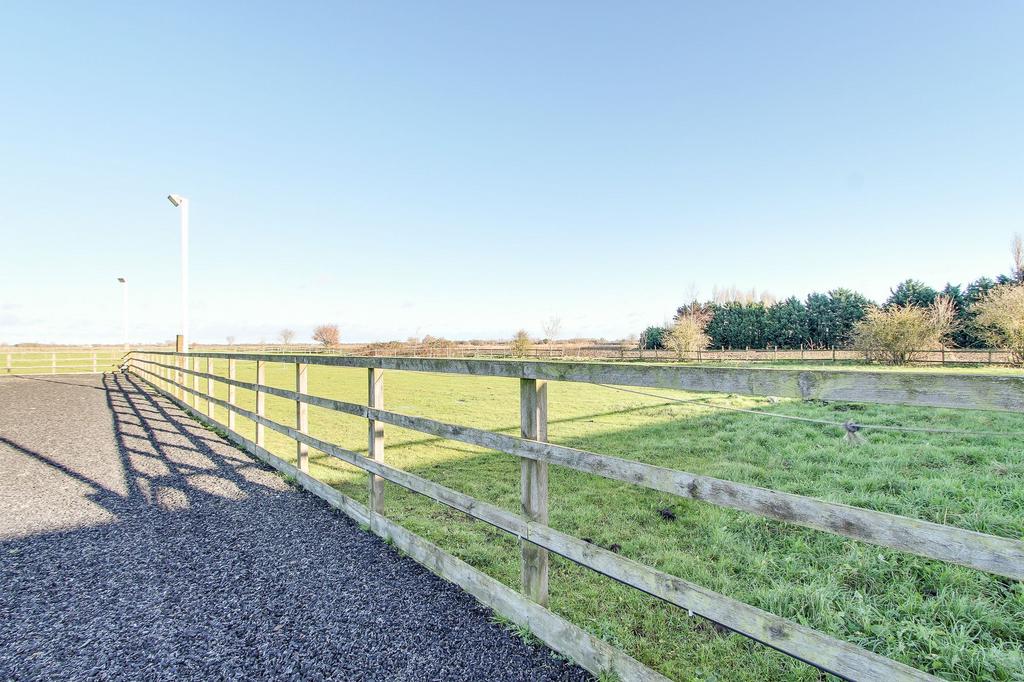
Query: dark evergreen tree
831	317
737	325
652	338
848	308
819	319
786	324
977	289
912	292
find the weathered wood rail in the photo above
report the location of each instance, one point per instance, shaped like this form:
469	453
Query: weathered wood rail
168	372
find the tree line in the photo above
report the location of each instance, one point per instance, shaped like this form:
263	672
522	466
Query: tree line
827	320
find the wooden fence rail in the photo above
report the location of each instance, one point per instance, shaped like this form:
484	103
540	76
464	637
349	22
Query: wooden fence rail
998	555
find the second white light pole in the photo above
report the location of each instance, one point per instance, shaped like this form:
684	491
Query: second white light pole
124	311
182	204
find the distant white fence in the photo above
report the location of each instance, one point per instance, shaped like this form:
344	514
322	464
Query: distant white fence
60	361
89	360
615	351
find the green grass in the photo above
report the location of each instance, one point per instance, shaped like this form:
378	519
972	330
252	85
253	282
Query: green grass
951	621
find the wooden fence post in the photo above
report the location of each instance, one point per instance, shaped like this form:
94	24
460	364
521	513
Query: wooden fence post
196	382
9	358
301	415
261	399
53	363
209	387
533	420
93	362
231	394
375	435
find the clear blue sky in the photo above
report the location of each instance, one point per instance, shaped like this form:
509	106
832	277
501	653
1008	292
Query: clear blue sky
467	169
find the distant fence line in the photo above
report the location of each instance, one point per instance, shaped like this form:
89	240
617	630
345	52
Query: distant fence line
60	361
615	351
79	359
985	356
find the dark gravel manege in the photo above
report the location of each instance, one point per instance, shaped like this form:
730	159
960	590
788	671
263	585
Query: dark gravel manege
136	544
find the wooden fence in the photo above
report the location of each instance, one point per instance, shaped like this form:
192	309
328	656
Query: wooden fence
168	373
615	351
561	350
60	361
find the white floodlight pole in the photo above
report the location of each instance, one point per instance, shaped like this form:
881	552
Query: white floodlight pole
182	204
124	311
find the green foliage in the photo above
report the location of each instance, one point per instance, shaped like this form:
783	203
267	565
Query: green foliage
652	338
827	320
786	324
911	292
823	321
832	316
737	325
523	632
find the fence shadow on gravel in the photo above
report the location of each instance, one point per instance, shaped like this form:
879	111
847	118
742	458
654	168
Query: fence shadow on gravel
212	567
169	462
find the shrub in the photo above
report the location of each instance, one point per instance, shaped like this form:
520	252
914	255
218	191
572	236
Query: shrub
999	316
521	343
897	334
327	334
688	335
436	345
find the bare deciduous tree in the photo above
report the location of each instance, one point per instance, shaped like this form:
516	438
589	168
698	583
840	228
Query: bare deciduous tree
898	334
231	340
327	334
733	294
1000	316
1017	251
552	327
687	335
286	336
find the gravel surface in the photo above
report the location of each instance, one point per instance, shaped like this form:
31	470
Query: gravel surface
136	544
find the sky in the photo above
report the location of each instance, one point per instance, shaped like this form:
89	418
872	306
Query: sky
468	169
